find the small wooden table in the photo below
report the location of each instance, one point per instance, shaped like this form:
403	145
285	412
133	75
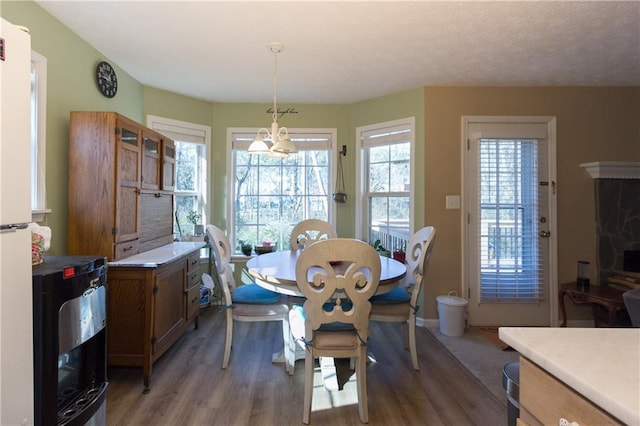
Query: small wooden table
595	295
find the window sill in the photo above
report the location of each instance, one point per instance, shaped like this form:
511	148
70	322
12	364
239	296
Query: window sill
39	215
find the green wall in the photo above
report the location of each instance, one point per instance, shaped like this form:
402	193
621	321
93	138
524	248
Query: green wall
409	103
71	87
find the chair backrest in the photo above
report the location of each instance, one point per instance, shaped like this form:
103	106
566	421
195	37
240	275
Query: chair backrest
309	231
338	276
417	257
221	249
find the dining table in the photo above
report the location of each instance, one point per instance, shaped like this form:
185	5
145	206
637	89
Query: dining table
276	271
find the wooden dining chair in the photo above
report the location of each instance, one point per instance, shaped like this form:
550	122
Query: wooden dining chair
309	231
337	276
247	302
401	304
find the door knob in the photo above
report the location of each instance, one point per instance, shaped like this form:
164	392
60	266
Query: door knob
545	234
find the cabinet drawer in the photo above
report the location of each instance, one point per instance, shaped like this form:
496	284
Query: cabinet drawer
193	302
544	400
193	278
193	262
126	249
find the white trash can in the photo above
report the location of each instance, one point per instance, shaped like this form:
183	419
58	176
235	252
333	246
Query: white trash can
452	311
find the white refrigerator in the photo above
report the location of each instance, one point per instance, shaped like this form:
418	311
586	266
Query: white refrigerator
16	305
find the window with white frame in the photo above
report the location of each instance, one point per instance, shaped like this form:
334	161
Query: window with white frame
38	135
192	145
268	196
386	161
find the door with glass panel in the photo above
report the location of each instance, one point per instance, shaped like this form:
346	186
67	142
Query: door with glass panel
510	210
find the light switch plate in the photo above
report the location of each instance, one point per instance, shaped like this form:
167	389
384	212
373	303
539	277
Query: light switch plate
453	202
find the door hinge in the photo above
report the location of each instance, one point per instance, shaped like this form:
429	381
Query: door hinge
153	340
468	218
155	289
468	144
114	230
468	293
117	130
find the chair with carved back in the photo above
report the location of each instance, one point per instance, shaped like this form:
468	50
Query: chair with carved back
337	276
247	302
401	304
309	231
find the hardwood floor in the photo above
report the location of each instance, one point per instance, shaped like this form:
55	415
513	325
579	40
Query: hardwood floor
188	387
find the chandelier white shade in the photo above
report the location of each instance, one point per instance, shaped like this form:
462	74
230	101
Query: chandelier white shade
280	144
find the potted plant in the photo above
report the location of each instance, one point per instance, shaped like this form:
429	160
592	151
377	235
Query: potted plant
245	248
194	218
399	254
380	249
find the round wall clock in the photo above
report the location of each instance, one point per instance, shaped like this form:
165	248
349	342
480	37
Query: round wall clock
106	79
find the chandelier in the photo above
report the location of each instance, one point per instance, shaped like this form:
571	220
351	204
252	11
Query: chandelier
281	145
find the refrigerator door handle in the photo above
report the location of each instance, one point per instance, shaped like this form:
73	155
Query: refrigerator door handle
14	227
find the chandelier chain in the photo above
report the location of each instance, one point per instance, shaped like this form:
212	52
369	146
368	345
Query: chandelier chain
275	86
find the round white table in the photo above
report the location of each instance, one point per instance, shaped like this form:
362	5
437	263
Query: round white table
276	271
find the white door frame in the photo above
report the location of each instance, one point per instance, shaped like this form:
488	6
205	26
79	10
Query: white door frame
550	121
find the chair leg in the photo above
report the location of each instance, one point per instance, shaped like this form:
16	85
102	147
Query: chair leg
411	331
308	385
361	385
289	346
228	339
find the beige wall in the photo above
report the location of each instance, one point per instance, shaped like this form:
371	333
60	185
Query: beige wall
593	124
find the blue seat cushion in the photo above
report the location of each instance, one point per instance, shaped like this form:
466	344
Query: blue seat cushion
395	297
298	316
253	294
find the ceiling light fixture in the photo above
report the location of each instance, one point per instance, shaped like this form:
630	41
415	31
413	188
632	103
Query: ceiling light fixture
281	145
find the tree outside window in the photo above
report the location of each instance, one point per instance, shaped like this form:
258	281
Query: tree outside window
271	195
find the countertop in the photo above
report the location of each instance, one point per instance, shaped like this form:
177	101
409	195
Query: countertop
601	364
158	256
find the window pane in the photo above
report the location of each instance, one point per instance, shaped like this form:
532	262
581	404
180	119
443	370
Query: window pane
186	166
379	154
399	176
273	194
379	177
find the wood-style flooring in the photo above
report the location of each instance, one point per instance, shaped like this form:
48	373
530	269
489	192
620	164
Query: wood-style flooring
188	387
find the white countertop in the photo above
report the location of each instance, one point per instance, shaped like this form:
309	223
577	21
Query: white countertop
601	364
158	256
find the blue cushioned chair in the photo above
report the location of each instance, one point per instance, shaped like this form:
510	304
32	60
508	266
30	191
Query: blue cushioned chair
309	231
334	321
247	302
401	304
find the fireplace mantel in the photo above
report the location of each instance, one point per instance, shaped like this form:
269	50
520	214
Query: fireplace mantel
613	169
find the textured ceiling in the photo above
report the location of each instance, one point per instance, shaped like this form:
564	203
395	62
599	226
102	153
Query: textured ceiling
347	51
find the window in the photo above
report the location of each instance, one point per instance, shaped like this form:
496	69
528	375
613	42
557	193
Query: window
192	144
510	266
386	173
268	195
38	135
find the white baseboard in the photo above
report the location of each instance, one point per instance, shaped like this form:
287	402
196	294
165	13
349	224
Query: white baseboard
435	323
427	323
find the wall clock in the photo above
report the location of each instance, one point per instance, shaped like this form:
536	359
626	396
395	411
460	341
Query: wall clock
106	79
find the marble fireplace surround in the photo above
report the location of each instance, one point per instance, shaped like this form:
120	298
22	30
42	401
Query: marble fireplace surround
617	201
